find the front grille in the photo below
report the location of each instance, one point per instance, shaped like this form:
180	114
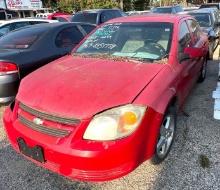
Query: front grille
42	128
54	118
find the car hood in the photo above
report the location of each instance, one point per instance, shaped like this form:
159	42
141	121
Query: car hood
79	87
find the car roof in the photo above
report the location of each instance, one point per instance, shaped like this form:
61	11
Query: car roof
97	10
151	17
3	22
51	26
164	7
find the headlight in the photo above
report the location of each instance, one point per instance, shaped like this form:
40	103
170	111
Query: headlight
115	123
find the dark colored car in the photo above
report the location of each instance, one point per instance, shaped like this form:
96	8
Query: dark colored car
167	9
97	16
208	21
25	50
210	5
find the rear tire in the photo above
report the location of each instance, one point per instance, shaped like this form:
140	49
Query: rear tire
203	72
166	136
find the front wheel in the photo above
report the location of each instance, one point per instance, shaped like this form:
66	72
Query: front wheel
166	136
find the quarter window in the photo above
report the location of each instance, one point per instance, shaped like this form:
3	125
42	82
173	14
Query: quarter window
68	37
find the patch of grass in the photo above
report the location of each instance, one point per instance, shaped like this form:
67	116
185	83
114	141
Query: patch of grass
204	161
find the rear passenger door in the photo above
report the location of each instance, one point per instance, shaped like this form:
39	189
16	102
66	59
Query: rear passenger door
198	42
186	65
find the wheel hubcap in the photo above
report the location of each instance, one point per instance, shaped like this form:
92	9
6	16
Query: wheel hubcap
166	136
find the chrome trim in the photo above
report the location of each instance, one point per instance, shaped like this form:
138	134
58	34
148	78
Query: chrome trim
42	128
54	118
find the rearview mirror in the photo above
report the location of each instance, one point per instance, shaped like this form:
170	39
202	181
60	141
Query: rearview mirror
193	52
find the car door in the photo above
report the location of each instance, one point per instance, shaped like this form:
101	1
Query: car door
198	42
186	65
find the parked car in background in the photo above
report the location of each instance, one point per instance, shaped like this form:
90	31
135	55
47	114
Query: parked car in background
27	49
167	9
62	18
97	16
210	5
117	94
208	20
190	8
43	15
10	25
58	14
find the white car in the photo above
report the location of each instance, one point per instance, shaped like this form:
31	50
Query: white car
13	24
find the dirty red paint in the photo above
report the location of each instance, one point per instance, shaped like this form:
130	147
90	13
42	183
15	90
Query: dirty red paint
78	87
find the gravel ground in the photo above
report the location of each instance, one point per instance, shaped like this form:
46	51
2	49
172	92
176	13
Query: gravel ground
193	162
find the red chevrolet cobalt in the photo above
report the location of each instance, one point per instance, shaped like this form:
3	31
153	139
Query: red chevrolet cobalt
99	113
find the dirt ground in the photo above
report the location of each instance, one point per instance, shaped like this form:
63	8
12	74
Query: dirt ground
193	162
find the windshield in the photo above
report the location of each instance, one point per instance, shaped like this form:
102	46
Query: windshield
85	17
21	39
142	41
162	10
203	19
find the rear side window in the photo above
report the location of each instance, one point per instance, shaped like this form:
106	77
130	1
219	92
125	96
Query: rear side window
37	22
106	16
85	17
184	37
68	37
20	24
21	39
195	29
5	29
88	28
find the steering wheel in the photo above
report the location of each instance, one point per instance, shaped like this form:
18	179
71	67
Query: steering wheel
152	47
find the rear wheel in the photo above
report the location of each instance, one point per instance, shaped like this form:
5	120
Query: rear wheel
203	71
166	136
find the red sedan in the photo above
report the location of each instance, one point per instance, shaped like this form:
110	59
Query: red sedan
99	113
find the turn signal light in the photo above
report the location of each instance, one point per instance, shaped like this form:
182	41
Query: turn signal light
7	68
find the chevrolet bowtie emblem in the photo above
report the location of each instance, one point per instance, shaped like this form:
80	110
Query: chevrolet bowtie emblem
38	121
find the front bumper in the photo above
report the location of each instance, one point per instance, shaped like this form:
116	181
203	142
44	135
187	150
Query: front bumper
88	160
8	87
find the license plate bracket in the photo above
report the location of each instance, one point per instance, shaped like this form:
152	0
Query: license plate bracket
35	152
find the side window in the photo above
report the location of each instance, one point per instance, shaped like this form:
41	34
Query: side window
179	9
116	14
20	24
105	16
68	37
5	29
88	28
184	37
37	22
194	28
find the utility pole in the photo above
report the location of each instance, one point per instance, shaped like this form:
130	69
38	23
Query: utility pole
121	4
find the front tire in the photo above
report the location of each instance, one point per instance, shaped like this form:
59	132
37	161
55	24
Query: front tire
166	136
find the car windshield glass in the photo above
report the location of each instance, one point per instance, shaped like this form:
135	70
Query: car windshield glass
162	10
21	39
209	6
203	19
142	41
85	17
